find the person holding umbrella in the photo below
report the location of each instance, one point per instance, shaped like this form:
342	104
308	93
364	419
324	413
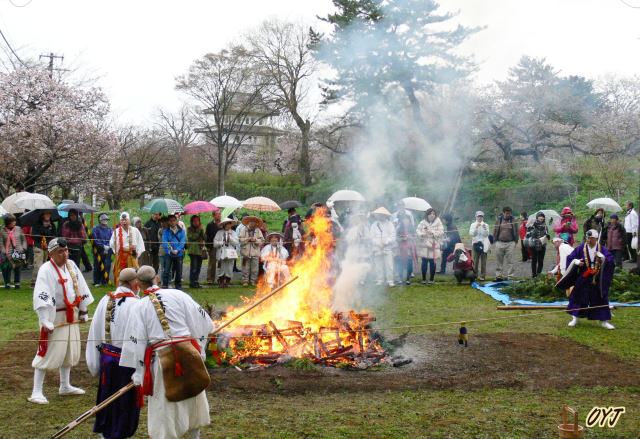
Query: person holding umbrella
42	232
102	251
13	246
127	244
383	240
73	231
195	249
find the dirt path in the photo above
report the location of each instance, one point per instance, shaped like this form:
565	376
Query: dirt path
531	361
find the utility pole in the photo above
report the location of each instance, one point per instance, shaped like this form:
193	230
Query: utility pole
51	57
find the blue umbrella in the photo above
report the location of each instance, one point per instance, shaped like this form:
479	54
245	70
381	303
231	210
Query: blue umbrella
62	213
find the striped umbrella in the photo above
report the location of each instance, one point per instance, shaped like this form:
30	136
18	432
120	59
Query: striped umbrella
262	204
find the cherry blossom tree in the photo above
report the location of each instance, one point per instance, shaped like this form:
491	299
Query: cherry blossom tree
52	133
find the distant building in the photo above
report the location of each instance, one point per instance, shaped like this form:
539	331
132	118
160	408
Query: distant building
251	127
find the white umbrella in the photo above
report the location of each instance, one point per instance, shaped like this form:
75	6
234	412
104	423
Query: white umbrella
224	201
415	203
345	195
2	211
605	203
34	201
550	215
263	204
9	203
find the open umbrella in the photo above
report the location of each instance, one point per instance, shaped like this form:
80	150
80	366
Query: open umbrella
9	203
63	213
291	204
80	207
415	203
196	207
163	205
550	215
2	211
31	218
345	195
607	204
34	202
262	204
226	201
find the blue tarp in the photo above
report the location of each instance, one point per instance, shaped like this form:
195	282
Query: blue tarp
493	289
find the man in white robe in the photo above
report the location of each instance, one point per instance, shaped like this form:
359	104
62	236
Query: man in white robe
274	257
127	245
166	419
106	336
60	298
383	245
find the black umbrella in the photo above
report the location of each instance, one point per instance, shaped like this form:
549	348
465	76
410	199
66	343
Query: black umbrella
290	204
32	217
80	207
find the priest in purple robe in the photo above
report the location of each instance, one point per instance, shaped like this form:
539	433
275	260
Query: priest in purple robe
590	272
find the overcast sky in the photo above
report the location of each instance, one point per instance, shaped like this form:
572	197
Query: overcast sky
138	47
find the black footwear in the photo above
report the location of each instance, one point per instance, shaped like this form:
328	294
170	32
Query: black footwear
16	286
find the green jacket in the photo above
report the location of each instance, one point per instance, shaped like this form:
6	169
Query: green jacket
195	240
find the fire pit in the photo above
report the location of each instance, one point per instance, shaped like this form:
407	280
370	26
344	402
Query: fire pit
300	322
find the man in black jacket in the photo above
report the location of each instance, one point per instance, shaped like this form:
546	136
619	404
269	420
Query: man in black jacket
41	233
212	229
153	226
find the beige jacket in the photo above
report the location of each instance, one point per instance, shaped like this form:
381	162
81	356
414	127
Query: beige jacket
251	249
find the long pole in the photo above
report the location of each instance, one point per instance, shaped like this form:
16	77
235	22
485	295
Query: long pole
92	411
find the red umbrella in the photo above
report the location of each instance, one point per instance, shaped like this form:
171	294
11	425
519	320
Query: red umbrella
196	207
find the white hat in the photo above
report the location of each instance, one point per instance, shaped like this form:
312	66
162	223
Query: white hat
124	215
593	234
480	213
224	221
381	211
56	243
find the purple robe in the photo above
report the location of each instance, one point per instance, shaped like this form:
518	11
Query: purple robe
585	293
120	419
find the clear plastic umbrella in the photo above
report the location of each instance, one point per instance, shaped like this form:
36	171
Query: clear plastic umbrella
607	204
9	203
345	195
415	203
34	202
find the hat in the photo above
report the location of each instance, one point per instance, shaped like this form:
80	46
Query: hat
459	246
103	217
381	211
127	275
247	219
566	211
614	216
593	234
224	221
124	215
146	274
480	213
56	243
279	235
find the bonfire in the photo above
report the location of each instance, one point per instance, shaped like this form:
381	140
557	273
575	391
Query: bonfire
300	322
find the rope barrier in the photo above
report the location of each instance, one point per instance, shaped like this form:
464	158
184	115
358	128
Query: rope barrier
388	328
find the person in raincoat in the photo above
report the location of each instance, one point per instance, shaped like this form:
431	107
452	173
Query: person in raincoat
567	227
430	234
383	243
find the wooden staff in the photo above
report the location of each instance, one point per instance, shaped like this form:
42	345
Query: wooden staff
92	411
535	307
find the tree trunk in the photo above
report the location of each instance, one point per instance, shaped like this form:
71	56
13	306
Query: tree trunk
304	165
221	168
415	109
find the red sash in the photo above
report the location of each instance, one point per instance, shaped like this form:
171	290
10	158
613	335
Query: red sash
69	305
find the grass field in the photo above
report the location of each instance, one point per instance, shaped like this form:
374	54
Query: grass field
492	412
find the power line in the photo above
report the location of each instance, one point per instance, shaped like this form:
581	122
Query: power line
11	48
624	2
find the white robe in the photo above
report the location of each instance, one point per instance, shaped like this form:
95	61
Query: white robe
275	264
565	250
136	240
64	342
118	326
383	237
186	319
